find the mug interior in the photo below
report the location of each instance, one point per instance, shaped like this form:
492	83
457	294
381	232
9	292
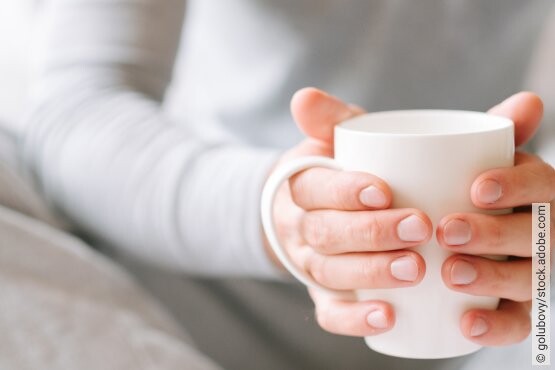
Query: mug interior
425	123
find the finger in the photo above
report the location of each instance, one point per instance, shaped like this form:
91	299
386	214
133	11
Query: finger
393	269
316	113
352	318
509	324
526	110
484	277
322	188
531	180
473	233
336	232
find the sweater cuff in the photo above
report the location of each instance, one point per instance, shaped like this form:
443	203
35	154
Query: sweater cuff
262	265
220	212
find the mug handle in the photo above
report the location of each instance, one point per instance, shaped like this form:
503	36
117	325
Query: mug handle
278	177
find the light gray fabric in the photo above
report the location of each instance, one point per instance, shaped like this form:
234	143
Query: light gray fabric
17	192
167	179
65	307
175	180
105	154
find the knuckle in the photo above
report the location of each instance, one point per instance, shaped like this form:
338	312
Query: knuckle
316	267
316	232
495	234
343	195
499	277
367	272
351	231
366	230
374	231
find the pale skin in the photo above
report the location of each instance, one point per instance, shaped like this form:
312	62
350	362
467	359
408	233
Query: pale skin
339	227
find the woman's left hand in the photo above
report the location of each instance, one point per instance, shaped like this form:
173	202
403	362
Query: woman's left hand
470	235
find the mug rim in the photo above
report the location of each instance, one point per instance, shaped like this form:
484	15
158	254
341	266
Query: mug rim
491	123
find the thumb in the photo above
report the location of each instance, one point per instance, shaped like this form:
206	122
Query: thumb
316	113
526	110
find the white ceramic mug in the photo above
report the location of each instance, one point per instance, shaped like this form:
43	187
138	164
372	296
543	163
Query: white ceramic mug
429	158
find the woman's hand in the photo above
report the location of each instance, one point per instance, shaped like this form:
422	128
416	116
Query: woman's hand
337	226
470	235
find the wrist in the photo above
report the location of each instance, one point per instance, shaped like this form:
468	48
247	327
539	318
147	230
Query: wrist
271	254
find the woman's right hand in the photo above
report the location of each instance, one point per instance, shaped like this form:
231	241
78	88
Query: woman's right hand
337	226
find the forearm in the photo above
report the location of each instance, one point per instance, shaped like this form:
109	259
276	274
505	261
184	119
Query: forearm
105	154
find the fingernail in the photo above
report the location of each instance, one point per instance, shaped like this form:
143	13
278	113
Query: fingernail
404	268
462	273
457	232
489	191
377	319
479	327
373	197
412	229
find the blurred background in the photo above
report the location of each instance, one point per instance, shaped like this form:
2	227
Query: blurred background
16	27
